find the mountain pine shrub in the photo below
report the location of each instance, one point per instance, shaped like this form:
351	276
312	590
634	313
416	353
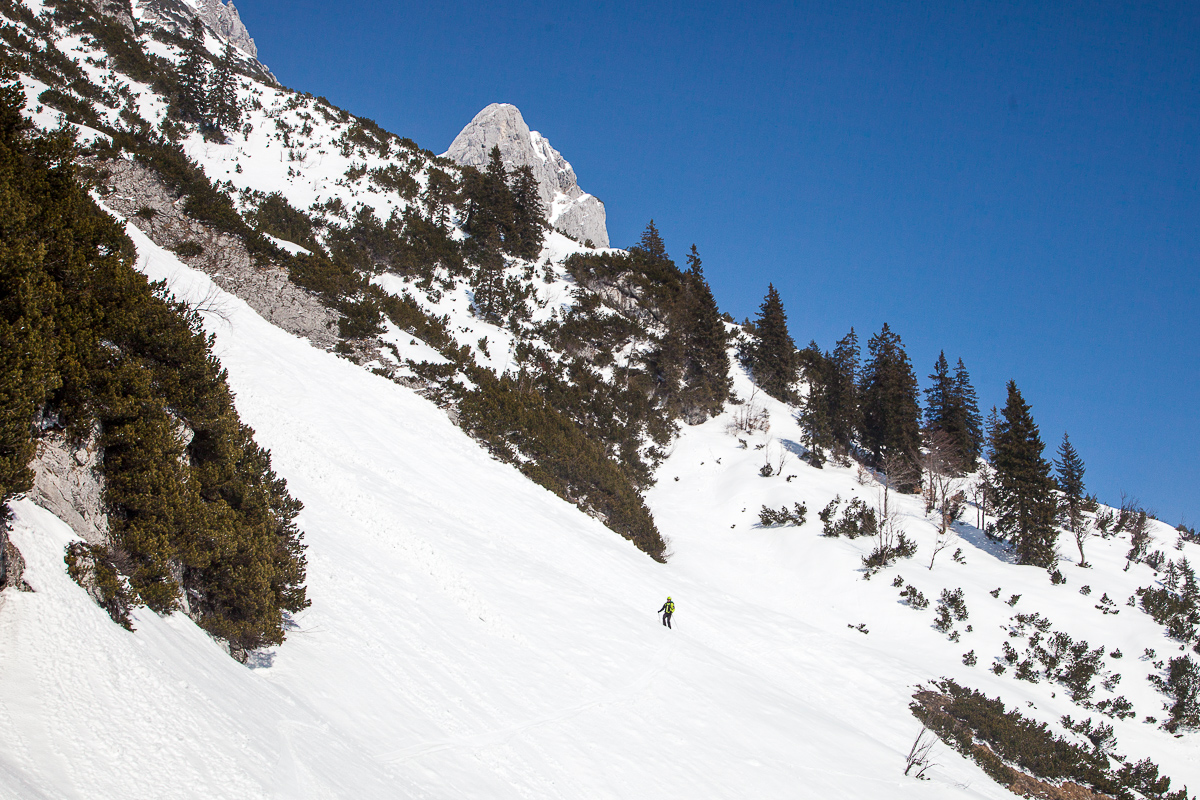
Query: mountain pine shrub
197	517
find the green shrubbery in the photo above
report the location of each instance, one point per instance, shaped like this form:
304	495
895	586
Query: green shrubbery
197	517
769	517
512	418
1006	744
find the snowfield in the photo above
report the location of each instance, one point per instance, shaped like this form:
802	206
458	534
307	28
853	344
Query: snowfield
470	635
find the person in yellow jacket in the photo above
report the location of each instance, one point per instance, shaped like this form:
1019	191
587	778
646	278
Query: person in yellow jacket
667	610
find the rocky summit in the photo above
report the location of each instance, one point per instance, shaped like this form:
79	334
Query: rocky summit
568	208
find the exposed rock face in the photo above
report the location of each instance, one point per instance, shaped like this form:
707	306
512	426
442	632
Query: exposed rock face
12	565
137	194
67	482
568	208
225	21
222	20
119	11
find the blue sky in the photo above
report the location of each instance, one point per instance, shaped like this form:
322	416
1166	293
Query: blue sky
1015	183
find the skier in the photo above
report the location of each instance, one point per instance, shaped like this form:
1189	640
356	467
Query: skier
667	610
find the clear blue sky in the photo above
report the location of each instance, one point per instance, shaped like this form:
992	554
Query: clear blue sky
1016	183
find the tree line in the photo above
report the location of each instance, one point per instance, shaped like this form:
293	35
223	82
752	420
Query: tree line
870	410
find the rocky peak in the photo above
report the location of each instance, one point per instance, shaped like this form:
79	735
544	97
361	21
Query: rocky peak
225	21
568	208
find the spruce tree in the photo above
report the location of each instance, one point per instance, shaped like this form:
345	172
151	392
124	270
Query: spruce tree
772	353
815	410
843	409
938	396
990	430
224	110
970	437
528	231
951	407
193	76
651	244
490	204
891	416
1069	467
1025	504
706	362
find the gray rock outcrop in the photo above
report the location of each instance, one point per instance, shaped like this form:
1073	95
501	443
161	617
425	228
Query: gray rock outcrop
68	484
138	194
222	19
122	12
225	21
568	208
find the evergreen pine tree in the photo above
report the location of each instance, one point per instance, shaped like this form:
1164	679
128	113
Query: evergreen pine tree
193	76
843	409
991	428
651	244
1025	504
490	204
528	231
706	362
815	410
1070	482
224	110
29	300
970	436
772	354
890	413
951	408
938	397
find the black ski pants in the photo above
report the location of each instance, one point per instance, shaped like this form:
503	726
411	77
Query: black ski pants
667	618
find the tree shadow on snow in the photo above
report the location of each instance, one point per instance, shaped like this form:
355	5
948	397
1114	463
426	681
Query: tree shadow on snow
795	448
996	548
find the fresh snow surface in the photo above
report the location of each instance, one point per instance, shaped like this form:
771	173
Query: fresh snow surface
470	635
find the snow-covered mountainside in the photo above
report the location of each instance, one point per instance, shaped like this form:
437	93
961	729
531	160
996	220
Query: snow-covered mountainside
569	209
506	469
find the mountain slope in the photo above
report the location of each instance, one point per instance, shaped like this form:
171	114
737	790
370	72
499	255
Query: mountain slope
470	634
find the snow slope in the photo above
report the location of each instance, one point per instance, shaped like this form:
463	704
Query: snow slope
470	635
473	635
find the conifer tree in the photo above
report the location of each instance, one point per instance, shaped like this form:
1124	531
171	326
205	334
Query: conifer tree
28	302
89	340
938	396
772	354
706	362
1025	504
651	244
528	232
843	409
990	430
193	76
970	443
490	204
224	110
951	407
891	425
1070	482
815	410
